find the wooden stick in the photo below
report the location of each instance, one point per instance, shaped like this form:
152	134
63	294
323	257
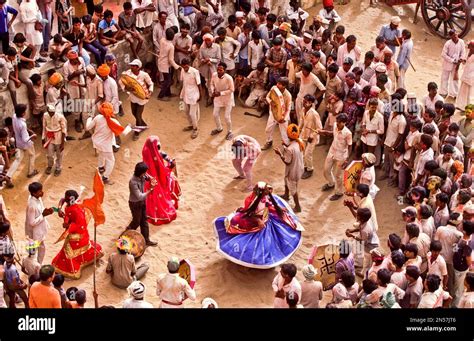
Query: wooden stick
153	53
409	61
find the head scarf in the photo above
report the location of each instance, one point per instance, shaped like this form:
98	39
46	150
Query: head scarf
107	110
91	70
137	290
285	27
173	264
369	159
293	133
55	79
103	70
208	301
72	55
208	36
458	165
124	243
309	271
328	3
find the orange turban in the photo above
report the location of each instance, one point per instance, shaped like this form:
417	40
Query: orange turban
55	79
285	27
107	110
72	55
293	133
103	70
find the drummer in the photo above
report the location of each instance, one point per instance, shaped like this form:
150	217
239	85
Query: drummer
172	289
137	104
121	264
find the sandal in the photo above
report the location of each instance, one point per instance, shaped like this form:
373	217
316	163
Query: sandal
216	131
335	197
35	172
57	172
327	187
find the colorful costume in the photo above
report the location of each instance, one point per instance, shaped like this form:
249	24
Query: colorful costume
78	250
262	234
162	203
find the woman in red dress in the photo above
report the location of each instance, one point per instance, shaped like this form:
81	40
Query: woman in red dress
162	203
78	250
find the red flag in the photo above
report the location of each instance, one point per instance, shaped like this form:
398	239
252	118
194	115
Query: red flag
94	204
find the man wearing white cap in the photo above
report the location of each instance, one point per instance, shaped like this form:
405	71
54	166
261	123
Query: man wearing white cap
452	54
137	104
171	288
136	291
305	45
210	56
311	290
381	68
391	33
53	137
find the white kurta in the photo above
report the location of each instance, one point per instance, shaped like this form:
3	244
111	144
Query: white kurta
36	226
174	289
191	81
103	138
29	16
466	90
111	93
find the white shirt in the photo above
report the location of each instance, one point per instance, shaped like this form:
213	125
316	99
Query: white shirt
111	93
430	103
376	123
433	299
22	137
145	81
36	226
191	81
340	144
396	126
343	53
103	137
184	43
293	286
56	124
256	52
424	157
228	47
309	85
225	87
467	300
448	236
166	56
172	288
452	53
428	227
437	267
130	303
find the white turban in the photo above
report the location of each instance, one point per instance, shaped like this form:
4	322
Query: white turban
208	36
90	69
209	301
137	290
309	271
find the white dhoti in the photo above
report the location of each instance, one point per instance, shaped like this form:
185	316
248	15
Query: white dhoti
271	124
449	86
193	113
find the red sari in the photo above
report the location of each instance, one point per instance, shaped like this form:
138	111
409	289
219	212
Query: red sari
162	203
78	250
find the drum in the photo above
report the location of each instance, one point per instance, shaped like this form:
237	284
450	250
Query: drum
352	176
138	242
276	104
133	86
187	271
324	258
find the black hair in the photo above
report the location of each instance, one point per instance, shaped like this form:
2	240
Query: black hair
11	52
3	133
81	297
364	214
395	240
384	276
447	148
221	31
57	38
224	65
33	278
340	29
185	61
364	189
20	110
432	86
351	38
436	245
411	247
35	78
185	26
468	227
425	211
232	19
470	280
348	279
432	282
283	81
19	38
46	272
407	33
277	41
127	5
464	196
431	165
466	180
98	8
35	187
442	197
140	169
441	173
413	230
108	13
76	20
271	17
449	108
413	271
4	227
169	33
369	286
453	127
246	7
58	280
334	68
398	259
289	269
256	34
307	67
342	118
379	39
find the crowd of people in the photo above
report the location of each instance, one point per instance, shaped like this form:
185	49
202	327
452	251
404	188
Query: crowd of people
318	88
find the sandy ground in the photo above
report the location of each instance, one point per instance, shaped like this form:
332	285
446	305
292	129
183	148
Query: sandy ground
209	191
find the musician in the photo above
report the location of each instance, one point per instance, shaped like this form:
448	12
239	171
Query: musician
309	124
171	288
137	201
74	71
279	113
137	104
